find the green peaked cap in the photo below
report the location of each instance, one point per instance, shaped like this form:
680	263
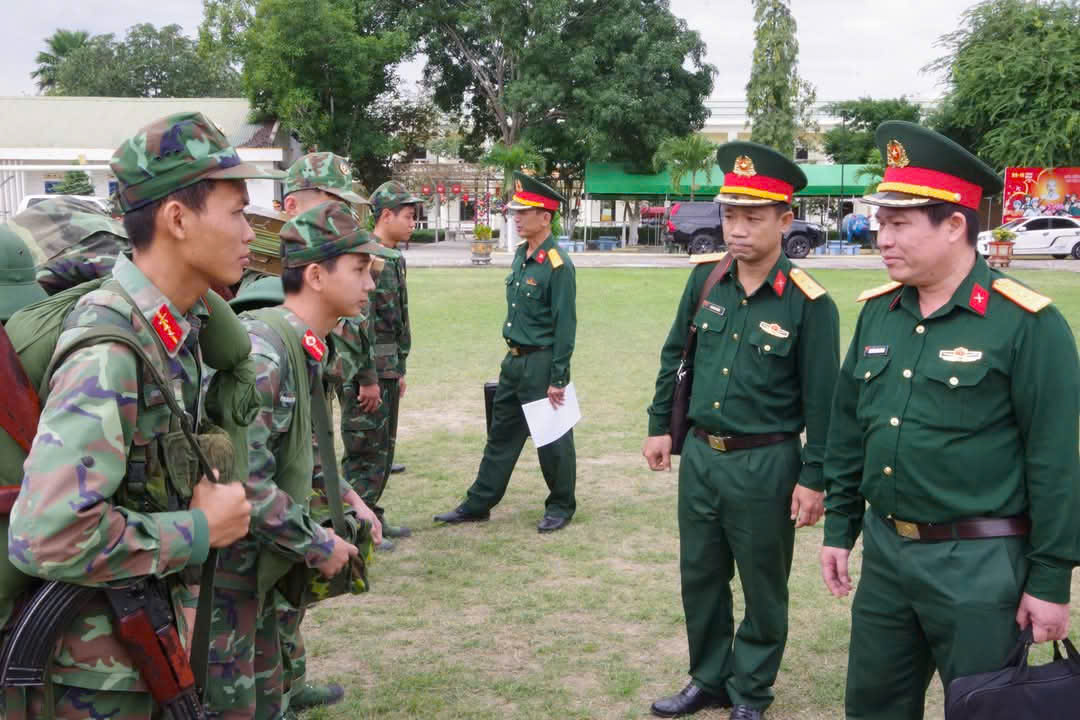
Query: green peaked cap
756	174
531	193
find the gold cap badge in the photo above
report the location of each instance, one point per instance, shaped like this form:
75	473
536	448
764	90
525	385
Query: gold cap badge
897	155
744	166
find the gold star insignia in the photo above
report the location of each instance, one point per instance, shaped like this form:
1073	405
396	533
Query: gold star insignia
897	155
744	166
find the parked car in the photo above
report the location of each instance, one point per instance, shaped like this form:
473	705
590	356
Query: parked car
1057	236
696	228
32	200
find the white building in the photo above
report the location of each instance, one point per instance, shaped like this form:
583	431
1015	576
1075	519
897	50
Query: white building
43	137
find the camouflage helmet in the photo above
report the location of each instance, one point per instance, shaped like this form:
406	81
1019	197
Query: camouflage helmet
173	153
323	171
18	288
326	231
392	195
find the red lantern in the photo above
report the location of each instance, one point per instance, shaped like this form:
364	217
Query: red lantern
465	197
441	188
456	189
426	190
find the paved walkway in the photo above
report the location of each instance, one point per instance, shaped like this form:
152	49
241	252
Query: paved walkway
458	254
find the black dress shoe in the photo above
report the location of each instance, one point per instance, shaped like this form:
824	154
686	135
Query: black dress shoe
458	515
397	468
688	701
745	712
550	523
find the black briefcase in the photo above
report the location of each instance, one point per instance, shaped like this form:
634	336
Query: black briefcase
1019	691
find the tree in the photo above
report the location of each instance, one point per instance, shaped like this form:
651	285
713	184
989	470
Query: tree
682	156
776	97
60	44
873	169
853	140
321	67
75	182
1011	73
221	34
508	159
148	62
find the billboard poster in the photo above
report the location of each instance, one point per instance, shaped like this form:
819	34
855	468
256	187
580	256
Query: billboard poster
1041	191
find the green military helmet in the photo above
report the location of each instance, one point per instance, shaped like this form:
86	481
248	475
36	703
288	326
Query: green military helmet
923	167
264	292
323	171
173	153
392	195
755	174
326	231
530	193
18	286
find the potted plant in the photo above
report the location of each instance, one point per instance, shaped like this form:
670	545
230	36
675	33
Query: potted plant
482	245
1001	247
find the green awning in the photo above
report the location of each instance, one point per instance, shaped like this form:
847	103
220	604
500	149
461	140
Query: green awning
611	181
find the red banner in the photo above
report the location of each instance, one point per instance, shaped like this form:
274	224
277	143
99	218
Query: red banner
1041	191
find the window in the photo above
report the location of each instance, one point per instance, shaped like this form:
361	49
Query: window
1037	224
1063	224
802	154
607	210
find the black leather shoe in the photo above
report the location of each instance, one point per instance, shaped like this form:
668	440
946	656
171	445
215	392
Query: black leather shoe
745	712
458	515
397	468
550	523
688	701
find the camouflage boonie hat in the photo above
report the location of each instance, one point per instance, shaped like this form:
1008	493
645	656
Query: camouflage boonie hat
323	171
18	288
326	231
391	195
173	153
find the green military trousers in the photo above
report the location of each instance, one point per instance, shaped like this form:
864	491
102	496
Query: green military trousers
735	512
369	440
921	606
523	379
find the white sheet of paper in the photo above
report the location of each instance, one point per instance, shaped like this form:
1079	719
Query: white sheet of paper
546	424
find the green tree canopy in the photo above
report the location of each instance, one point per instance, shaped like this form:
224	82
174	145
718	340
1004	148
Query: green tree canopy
1012	72
75	182
59	45
853	140
682	156
778	101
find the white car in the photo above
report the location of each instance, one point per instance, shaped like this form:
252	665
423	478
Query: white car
32	200
1058	236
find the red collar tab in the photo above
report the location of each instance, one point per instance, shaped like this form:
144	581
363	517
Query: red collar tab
315	347
167	328
779	283
540	256
759	186
932	184
979	299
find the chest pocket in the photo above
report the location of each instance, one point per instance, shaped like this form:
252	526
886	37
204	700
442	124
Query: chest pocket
283	411
533	292
956	393
870	378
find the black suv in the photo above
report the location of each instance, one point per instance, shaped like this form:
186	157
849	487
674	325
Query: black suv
696	227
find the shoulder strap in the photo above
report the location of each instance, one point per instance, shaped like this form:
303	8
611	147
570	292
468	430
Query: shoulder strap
1025	297
878	291
320	422
717	272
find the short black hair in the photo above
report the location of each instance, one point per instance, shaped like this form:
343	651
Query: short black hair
292	279
940	212
397	211
139	224
781	208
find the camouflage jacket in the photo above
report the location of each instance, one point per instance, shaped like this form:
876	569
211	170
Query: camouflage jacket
390	320
70	523
275	518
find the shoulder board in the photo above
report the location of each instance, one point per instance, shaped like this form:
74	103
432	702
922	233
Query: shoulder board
554	258
707	258
879	291
807	284
523	242
1024	297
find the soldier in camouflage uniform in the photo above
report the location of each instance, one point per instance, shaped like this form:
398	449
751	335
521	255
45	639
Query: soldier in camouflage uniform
76	519
369	410
246	670
73	241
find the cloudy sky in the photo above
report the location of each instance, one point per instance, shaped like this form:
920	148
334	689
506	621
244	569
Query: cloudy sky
848	48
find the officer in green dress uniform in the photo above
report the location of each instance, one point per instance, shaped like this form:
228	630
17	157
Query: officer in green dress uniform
952	447
540	325
767	352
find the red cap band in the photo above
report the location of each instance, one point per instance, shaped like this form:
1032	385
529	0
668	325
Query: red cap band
758	186
931	184
528	198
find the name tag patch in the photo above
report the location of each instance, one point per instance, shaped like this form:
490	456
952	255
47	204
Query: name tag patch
960	354
718	309
876	351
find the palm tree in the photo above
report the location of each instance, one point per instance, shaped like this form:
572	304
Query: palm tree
509	158
60	44
873	170
683	156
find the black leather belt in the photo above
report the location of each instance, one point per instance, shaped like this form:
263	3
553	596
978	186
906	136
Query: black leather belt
727	443
966	529
519	350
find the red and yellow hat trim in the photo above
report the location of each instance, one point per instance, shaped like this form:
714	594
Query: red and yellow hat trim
931	184
759	186
535	200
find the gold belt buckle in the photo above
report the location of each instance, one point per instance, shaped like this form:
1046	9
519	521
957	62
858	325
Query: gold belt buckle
716	442
908	530
514	351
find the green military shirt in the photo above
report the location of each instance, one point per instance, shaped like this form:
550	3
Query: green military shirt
541	299
764	363
390	320
969	412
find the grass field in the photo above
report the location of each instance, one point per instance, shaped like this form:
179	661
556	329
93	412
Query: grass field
496	621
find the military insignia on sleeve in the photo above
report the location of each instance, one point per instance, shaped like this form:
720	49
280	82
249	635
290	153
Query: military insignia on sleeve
541	256
314	346
779	283
979	298
897	155
555	258
807	284
774	329
744	166
876	351
960	355
1022	296
167	328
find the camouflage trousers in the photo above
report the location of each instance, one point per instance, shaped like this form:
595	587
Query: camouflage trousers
369	440
293	655
245	674
75	703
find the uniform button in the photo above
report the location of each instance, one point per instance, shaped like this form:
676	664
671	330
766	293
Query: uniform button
895	422
887	470
725	371
920	329
517	284
513	304
867	375
744	301
716	405
768	348
508	324
704	326
954	381
734	336
907	373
